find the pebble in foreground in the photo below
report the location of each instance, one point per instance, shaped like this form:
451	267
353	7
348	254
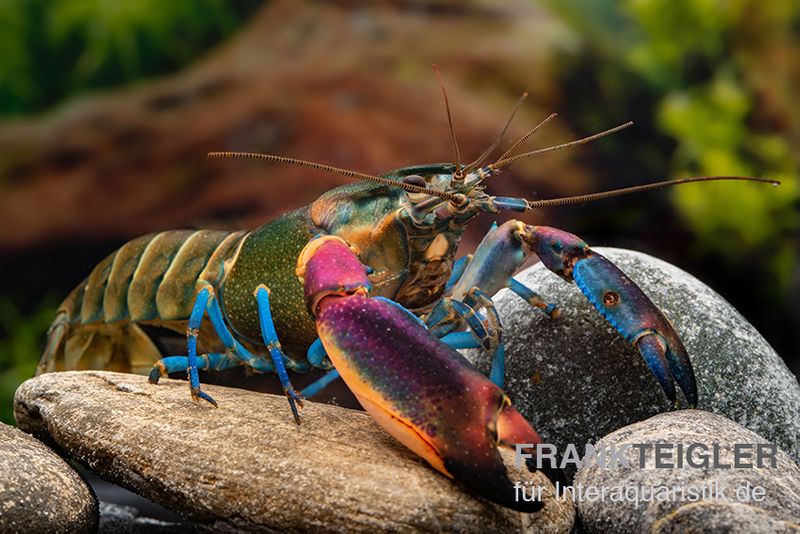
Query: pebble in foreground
726	507
40	492
251	467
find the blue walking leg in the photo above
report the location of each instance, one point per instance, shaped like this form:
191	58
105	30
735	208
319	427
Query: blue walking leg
533	298
461	340
498	372
195	320
274	347
319	384
214	361
316	355
237	350
475	322
477	298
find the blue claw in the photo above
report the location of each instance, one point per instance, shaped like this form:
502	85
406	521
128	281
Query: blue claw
624	305
634	315
653	352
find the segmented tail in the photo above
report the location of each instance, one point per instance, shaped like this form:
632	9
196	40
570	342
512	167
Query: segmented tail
151	280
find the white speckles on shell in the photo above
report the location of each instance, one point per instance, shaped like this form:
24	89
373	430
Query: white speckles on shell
576	379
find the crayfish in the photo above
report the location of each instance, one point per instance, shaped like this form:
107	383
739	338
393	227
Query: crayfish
364	283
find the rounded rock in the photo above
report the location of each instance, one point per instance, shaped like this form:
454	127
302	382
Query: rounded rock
40	492
248	466
716	497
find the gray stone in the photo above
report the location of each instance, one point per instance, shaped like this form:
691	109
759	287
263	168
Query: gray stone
725	506
248	466
576	379
40	492
118	519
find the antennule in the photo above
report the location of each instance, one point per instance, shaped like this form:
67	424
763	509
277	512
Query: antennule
486	153
458	172
502	162
335	170
526	136
580	199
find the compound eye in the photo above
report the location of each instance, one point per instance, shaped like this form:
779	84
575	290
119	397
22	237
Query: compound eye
415	179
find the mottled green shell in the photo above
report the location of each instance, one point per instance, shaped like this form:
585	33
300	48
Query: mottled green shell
269	256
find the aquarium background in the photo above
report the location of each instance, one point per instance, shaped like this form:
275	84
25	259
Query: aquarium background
107	110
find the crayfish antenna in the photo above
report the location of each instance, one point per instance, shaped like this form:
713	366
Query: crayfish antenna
336	170
580	199
508	160
486	153
458	172
526	136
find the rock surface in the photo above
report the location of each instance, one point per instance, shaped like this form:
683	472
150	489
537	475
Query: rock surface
117	519
40	492
576	379
724	508
247	465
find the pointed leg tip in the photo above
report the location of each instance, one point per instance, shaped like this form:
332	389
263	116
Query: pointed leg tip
553	311
198	394
295	414
156	372
294	397
295	401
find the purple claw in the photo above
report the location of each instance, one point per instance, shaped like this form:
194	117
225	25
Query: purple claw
417	388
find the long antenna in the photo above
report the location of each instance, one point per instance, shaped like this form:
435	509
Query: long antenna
336	170
527	135
579	199
486	153
458	173
502	162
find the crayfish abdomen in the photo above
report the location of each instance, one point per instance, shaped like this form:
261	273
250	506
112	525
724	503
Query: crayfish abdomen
149	280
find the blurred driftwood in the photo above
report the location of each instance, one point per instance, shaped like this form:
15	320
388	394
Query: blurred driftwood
329	82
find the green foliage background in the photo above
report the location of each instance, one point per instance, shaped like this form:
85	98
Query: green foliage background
714	84
52	49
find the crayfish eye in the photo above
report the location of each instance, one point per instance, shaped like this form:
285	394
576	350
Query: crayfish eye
415	179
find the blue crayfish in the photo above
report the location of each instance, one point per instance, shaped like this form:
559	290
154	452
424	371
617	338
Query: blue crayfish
364	282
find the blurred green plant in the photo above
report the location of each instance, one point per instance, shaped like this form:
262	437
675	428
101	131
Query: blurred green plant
20	347
52	49
713	84
702	57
